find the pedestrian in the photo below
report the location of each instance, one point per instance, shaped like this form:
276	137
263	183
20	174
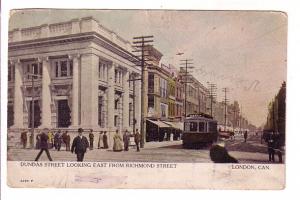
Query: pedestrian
126	138
80	144
278	146
219	154
31	140
137	139
100	140
245	136
44	145
117	147
38	141
105	142
91	137
271	146
50	139
66	139
24	139
57	140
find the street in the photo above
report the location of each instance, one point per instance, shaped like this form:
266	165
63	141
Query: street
168	151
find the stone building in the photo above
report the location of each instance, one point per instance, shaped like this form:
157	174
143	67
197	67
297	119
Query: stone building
82	77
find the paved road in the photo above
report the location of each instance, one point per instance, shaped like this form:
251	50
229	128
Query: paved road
168	151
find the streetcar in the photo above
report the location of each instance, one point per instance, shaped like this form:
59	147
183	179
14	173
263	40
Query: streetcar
199	130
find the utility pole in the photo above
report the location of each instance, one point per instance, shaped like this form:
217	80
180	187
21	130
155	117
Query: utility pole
212	95
142	45
186	63
241	119
225	90
133	79
234	116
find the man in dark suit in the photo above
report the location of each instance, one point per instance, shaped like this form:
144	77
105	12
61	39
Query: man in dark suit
80	144
24	139
44	145
137	139
91	137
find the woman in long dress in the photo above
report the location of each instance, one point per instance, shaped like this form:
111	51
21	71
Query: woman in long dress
118	146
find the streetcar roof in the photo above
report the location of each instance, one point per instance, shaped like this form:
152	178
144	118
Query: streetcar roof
199	118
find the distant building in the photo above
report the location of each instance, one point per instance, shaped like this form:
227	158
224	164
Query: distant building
196	94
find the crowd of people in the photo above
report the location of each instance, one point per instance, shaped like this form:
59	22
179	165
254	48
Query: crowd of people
48	139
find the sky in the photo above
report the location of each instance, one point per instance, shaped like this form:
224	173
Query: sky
244	51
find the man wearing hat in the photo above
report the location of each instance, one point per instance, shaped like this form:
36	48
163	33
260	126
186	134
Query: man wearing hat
80	144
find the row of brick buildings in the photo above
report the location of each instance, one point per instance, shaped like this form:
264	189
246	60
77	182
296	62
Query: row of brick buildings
166	97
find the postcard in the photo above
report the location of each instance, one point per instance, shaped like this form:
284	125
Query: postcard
166	99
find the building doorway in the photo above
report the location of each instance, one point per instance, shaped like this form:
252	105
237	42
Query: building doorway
64	113
37	114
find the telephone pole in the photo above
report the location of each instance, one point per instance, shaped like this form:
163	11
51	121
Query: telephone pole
212	95
186	74
142	45
225	90
133	79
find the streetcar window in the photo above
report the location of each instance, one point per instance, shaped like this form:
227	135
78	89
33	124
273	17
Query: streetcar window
212	127
202	127
193	126
186	125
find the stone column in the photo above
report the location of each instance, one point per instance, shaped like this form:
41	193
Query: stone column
18	96
46	94
126	124
111	97
111	103
75	90
89	91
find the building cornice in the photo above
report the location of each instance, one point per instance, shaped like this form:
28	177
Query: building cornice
80	37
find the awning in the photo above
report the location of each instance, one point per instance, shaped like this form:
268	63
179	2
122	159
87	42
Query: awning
160	124
177	125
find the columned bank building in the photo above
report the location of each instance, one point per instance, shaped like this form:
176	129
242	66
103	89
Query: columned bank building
82	71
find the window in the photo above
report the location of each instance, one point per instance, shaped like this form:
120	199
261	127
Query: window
130	114
186	126
63	68
116	103
163	108
33	68
151	101
71	67
202	127
151	83
212	127
100	112
116	120
193	126
102	71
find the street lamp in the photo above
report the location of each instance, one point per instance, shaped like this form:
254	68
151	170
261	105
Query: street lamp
32	107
